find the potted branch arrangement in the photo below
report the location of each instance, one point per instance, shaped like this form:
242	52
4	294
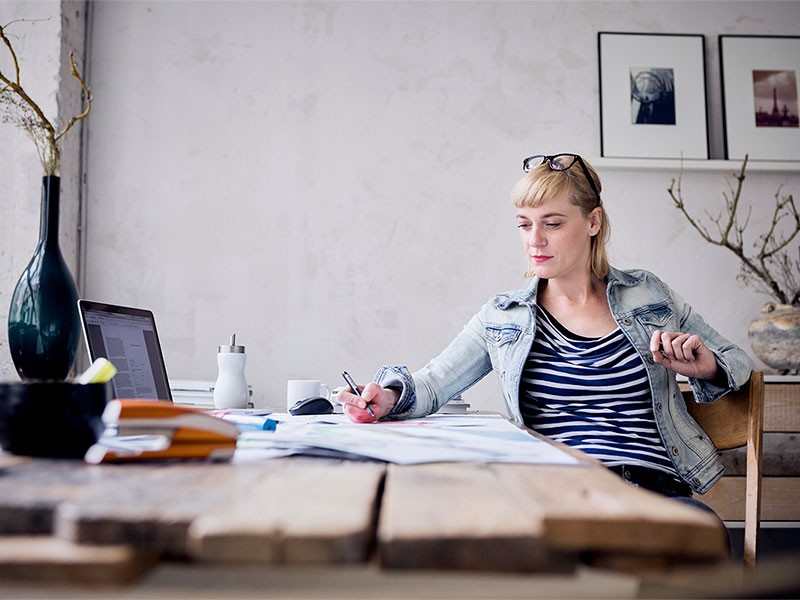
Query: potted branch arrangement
43	325
770	265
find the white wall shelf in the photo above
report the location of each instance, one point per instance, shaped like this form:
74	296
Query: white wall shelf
691	165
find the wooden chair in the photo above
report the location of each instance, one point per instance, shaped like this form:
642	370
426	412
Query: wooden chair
733	421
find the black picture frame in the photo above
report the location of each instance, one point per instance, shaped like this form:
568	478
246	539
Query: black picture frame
749	66
652	95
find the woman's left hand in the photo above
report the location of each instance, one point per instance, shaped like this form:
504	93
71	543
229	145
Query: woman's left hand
683	353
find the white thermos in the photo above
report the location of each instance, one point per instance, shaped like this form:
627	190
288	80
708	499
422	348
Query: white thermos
230	391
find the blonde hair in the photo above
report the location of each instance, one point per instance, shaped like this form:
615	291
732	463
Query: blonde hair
543	182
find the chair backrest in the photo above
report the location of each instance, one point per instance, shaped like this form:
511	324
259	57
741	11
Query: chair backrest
733	421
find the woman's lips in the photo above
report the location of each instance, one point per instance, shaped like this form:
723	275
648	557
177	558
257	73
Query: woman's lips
541	259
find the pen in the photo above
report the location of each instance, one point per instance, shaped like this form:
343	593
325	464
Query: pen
354	389
248	422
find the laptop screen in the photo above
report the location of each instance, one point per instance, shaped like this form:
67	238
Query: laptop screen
128	338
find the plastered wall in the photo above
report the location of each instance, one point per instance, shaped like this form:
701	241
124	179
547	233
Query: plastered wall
330	180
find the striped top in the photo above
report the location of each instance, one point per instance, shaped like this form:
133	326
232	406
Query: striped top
591	394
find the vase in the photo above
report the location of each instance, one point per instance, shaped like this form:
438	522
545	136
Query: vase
43	322
775	336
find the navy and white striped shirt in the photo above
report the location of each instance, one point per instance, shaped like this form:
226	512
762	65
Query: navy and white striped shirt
591	394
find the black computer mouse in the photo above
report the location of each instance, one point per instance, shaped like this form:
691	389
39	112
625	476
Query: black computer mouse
316	405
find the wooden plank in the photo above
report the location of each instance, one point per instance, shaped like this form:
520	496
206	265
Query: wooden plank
152	508
782	407
460	516
724	421
780	456
203	581
776	576
214	485
44	558
10	460
755	444
30	491
311	511
593	509
780	498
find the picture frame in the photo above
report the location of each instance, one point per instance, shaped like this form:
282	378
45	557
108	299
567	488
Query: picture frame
753	68
652	95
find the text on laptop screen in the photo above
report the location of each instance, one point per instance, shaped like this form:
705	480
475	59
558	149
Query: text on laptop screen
131	343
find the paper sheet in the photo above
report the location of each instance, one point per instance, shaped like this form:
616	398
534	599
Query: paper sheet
437	438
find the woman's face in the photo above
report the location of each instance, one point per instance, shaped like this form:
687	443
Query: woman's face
557	237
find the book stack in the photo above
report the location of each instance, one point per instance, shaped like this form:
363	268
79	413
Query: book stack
456	406
198	393
154	429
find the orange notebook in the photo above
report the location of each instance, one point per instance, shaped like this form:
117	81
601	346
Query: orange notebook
155	429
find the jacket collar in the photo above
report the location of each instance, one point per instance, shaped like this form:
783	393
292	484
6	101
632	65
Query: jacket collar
625	278
527	296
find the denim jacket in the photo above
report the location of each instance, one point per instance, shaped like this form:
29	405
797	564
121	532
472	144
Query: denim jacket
499	339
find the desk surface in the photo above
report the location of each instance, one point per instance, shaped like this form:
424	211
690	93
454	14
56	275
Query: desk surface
113	522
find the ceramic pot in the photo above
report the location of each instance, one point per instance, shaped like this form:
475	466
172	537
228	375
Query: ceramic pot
43	322
775	336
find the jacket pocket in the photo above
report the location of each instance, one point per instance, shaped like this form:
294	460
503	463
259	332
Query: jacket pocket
500	344
655	316
500	335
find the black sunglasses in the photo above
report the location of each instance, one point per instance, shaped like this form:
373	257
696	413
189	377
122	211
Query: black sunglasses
561	162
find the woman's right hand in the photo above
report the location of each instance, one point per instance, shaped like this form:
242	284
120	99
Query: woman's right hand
380	400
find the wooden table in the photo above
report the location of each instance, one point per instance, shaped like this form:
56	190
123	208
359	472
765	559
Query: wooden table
112	523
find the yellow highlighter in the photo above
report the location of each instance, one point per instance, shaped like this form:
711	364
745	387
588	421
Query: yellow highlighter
101	371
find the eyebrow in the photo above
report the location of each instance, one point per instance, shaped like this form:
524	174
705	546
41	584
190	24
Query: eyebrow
546	216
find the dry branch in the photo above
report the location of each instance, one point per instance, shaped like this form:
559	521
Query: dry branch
771	270
17	107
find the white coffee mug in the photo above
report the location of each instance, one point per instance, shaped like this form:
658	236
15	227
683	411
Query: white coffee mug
300	389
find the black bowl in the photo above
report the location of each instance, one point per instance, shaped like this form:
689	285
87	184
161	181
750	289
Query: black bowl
51	419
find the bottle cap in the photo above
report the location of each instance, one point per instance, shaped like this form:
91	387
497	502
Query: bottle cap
232	347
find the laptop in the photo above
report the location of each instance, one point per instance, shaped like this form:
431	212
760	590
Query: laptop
128	338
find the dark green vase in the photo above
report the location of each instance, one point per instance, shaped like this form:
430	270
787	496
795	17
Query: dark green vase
43	325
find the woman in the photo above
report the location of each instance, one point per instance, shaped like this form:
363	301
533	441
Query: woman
587	354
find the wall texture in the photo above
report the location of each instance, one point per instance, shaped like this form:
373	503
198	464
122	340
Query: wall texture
330	180
42	42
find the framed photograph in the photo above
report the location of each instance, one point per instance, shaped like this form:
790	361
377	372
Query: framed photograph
652	95
760	75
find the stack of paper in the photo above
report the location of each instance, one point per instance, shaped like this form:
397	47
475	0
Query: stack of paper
154	429
193	393
456	406
197	393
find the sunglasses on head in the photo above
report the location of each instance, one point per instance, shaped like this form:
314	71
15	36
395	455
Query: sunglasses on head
561	162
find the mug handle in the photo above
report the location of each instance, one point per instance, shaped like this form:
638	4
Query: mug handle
322	386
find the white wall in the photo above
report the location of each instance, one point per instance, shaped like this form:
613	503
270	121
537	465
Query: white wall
42	44
331	180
